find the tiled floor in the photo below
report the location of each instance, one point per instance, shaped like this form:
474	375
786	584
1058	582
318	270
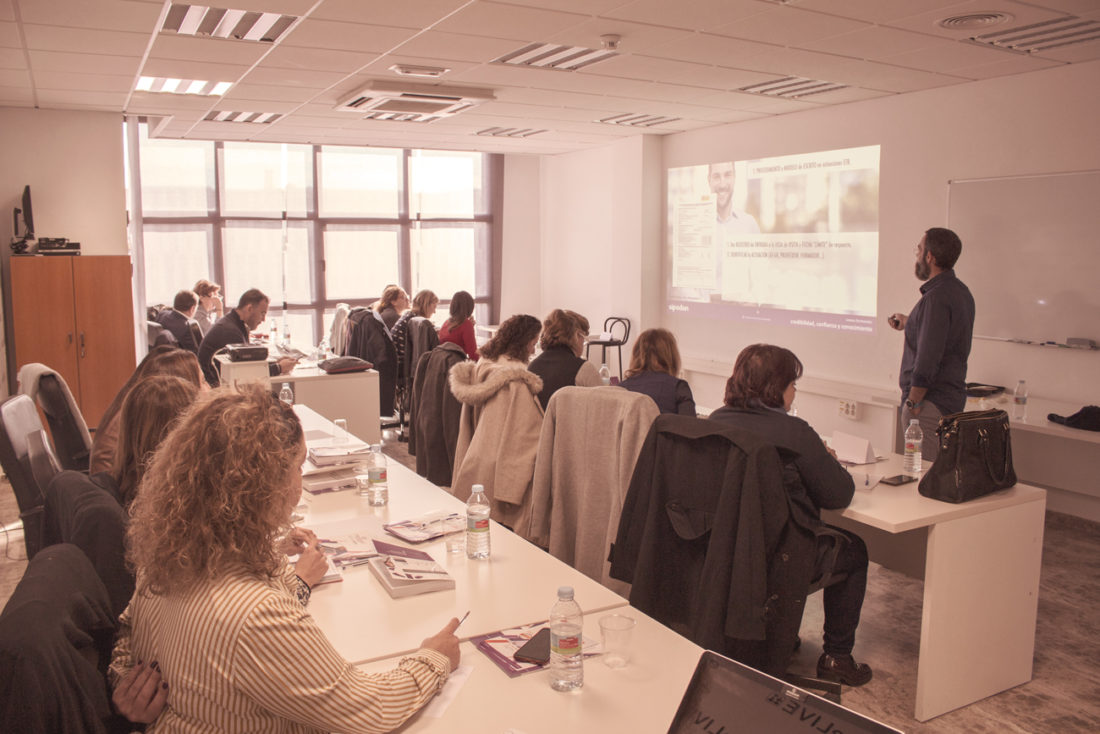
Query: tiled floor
1064	695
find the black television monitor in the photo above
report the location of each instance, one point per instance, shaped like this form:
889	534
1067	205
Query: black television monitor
24	215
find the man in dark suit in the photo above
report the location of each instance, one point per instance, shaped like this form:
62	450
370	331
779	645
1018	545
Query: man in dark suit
175	319
234	328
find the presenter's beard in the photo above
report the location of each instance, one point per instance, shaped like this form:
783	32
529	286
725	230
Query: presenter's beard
923	270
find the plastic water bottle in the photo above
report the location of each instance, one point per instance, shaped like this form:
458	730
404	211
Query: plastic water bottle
286	394
1019	400
913	438
324	348
566	659
605	374
477	524
378	488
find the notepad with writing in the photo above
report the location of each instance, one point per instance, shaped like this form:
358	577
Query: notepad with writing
407	571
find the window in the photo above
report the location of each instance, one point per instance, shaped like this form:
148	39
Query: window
311	226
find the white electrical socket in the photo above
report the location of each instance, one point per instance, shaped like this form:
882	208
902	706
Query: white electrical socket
849	409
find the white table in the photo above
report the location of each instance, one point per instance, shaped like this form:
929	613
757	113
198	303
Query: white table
642	697
515	586
980	562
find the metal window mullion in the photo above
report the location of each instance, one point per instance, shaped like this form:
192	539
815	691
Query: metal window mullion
216	247
404	212
317	248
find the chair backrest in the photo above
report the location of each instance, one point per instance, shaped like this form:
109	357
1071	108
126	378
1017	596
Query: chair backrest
589	444
196	332
618	327
156	335
18	420
56	633
70	436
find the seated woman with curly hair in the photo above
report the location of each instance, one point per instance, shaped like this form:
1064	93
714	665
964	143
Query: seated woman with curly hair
215	604
498	434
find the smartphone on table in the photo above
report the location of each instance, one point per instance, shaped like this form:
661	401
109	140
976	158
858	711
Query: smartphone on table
536	650
899	479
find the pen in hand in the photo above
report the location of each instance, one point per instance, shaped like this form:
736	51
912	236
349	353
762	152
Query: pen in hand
467	614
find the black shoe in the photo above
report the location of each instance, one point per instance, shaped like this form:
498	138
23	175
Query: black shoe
843	668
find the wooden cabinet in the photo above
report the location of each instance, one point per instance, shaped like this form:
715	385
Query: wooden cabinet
75	314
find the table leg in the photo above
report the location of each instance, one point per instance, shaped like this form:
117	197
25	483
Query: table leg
981	592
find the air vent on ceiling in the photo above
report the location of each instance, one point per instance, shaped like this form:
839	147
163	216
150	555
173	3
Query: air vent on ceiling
792	87
419	100
1039	37
974	21
258	118
555	56
400	117
509	132
635	120
241	25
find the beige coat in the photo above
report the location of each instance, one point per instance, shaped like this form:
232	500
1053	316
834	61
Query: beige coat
498	435
590	442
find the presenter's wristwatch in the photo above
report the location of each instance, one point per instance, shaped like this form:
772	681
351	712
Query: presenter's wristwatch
910	404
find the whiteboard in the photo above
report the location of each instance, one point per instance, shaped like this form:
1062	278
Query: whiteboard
1031	254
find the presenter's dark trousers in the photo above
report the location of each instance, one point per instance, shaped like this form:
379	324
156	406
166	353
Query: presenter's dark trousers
844	599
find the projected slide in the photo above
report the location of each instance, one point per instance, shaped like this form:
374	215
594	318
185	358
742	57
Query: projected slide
791	240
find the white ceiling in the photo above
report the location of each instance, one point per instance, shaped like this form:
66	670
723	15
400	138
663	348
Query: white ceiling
683	59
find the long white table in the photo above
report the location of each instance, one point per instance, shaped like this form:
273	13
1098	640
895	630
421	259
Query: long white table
641	697
980	563
516	585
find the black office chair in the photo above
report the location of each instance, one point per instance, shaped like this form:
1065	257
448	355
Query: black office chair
618	327
196	332
56	634
72	443
20	432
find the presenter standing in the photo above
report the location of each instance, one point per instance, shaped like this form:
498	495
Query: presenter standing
937	338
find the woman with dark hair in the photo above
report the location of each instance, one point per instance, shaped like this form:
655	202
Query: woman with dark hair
392	304
459	328
163	360
202	541
759	395
655	371
501	419
560	364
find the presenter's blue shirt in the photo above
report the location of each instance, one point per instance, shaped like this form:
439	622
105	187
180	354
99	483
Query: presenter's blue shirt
937	342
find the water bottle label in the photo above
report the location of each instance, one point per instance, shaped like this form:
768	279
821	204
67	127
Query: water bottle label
1020	400
570	645
376	475
477	525
911	447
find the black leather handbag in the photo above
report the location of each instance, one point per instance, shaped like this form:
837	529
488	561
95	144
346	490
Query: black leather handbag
975	457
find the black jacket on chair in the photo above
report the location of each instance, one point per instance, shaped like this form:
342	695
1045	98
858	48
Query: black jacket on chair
56	634
707	540
369	339
434	414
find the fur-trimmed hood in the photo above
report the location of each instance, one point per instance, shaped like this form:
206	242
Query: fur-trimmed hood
475	383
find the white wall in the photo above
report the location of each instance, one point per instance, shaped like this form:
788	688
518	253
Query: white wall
521	288
73	164
1040	122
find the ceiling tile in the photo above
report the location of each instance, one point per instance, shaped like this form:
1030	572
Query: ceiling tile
89	82
499	20
294	77
755	103
457	46
316	59
219	50
414	14
149	101
1073	54
690	14
887	78
93	99
704	48
245	91
382	66
80	40
286	7
875	42
787	26
346	36
1007	64
9	36
14	77
182	69
7	12
593	7
875	11
113	15
16	96
12	58
678	72
84	63
636	37
946	56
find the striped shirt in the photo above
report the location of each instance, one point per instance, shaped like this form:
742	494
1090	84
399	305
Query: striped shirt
241	654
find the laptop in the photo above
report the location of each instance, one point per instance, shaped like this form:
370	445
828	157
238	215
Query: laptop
726	697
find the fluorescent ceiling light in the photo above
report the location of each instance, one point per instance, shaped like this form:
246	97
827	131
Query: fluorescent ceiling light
239	25
163	85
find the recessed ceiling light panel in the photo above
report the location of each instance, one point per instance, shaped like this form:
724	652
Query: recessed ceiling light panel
168	85
239	25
